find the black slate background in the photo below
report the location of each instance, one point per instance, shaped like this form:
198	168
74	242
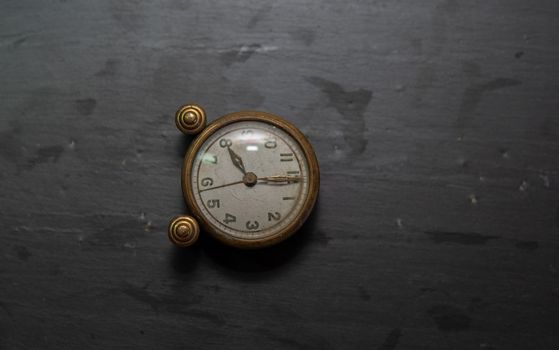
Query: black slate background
437	131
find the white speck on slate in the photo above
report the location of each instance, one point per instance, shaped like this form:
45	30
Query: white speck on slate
473	199
129	245
148	226
545	180
260	49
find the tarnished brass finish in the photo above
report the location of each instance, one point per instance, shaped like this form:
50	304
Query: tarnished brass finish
183	231
190	119
313	178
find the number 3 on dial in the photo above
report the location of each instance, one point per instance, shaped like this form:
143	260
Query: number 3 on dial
252	225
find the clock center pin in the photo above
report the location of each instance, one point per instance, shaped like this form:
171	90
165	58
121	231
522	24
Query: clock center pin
250	179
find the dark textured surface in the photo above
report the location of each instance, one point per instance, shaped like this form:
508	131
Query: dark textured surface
436	127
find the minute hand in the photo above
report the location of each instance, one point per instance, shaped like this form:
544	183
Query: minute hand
280	178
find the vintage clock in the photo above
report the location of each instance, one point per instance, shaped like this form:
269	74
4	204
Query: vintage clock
250	179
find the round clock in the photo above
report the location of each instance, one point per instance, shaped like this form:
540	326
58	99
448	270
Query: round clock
250	179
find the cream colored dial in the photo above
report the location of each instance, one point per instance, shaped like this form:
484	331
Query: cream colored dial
249	180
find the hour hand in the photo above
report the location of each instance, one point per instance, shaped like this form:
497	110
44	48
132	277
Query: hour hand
237	161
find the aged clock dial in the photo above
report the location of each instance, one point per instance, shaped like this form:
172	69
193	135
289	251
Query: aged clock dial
250	179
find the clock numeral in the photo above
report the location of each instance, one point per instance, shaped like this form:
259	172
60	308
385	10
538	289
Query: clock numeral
271	143
274	216
288	198
225	143
209	159
229	218
207	182
286	157
252	225
213	203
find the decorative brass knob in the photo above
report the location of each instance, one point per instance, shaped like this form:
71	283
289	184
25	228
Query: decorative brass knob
183	231
190	119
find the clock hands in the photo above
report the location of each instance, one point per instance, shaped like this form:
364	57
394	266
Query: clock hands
220	186
281	178
237	161
250	180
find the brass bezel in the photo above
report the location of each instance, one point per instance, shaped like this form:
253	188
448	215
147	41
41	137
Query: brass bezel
314	178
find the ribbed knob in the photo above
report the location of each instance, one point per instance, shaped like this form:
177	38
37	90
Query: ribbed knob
183	231
190	119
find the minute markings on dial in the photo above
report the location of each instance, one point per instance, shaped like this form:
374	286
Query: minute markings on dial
286	157
291	174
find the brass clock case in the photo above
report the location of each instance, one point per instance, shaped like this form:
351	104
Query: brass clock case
313	178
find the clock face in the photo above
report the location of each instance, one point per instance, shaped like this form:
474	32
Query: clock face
249	180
